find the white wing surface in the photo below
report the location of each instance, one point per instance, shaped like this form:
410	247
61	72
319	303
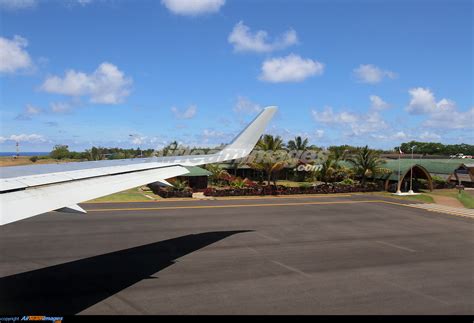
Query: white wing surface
26	191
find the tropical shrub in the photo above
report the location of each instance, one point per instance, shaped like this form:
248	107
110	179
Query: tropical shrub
268	164
347	181
366	163
284	190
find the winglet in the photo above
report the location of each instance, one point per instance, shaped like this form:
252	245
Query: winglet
246	140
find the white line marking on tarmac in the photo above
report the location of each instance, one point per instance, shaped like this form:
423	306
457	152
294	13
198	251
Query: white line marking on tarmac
291	269
267	237
395	246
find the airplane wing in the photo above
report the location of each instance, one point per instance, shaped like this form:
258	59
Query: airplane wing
26	191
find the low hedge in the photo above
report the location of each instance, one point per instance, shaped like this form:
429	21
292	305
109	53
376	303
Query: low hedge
174	193
167	192
283	190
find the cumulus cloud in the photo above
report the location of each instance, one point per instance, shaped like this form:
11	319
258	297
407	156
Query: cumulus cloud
422	101
13	56
29	112
291	68
193	7
329	117
244	105
107	84
371	74
377	103
442	114
32	138
188	113
357	124
244	40
451	120
17	4
370	123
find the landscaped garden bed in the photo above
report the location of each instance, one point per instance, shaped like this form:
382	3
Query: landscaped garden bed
284	190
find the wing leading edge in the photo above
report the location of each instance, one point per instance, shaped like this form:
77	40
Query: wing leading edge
61	189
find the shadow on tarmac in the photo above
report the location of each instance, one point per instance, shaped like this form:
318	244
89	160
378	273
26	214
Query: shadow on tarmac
72	287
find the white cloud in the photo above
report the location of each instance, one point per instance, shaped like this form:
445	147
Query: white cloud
188	113
107	84
13	57
244	105
357	124
442	114
422	101
193	7
138	139
429	136
451	120
400	135
244	40
211	136
319	134
17	4
29	112
291	68
378	104
60	107
33	138
371	74
370	123
329	117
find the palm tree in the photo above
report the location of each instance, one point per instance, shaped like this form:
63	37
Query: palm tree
339	153
366	163
298	144
326	170
217	173
170	148
269	144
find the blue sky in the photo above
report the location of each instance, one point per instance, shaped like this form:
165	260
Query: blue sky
94	72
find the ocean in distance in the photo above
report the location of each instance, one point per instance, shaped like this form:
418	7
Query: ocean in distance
24	153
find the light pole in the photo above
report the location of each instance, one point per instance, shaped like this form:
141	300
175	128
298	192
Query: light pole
411	171
399	192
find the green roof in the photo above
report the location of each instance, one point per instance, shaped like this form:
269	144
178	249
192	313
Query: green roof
436	166
197	171
433	166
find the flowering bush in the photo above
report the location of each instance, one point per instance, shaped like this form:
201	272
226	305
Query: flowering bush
283	190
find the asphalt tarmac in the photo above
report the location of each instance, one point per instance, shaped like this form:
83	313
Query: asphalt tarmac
298	255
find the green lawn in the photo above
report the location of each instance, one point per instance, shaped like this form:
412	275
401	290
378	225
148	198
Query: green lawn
449	192
466	199
134	194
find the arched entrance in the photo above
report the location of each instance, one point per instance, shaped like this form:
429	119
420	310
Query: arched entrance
419	172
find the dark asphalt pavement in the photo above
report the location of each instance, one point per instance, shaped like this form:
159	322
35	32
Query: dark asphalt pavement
324	255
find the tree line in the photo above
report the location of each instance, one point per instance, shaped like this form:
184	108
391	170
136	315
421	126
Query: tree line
268	141
436	148
98	153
